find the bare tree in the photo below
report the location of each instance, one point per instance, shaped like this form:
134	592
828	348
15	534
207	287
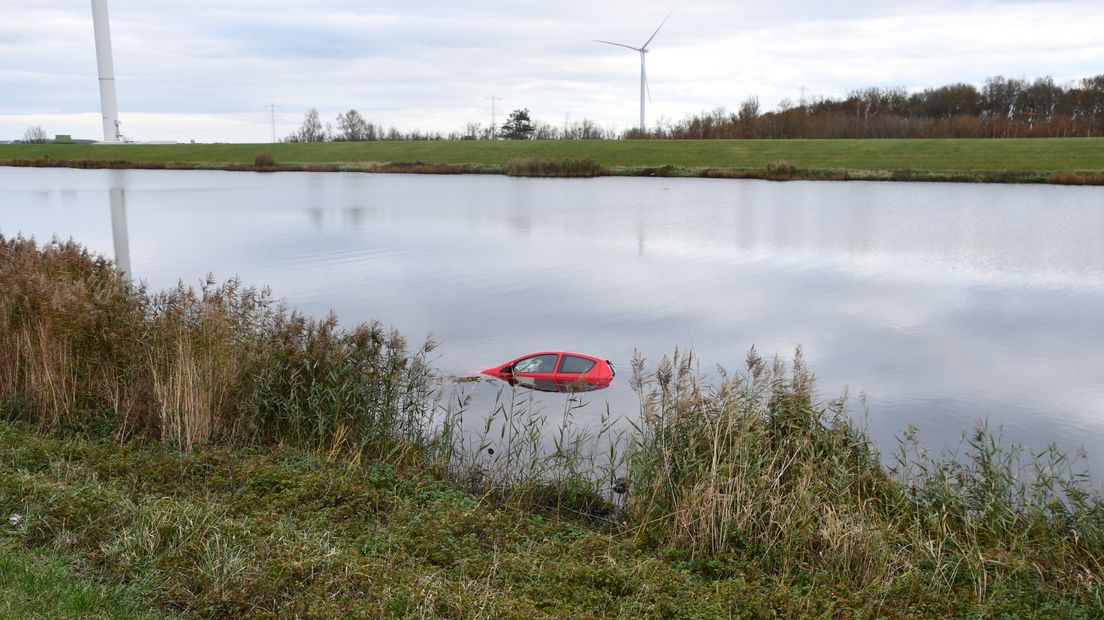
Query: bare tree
310	131
475	131
353	127
544	131
35	135
749	110
584	129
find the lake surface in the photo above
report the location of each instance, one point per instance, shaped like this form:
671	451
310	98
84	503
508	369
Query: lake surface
944	303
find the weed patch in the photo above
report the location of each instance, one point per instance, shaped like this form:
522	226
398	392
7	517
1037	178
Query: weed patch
585	167
264	159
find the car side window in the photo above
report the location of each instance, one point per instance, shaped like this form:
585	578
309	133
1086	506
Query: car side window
537	363
573	365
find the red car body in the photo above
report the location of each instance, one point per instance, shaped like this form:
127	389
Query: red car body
556	371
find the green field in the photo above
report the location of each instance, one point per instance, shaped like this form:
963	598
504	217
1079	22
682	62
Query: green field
813	158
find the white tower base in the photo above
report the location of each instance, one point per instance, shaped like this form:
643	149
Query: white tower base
106	67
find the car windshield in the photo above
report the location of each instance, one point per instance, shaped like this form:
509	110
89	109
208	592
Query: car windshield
537	363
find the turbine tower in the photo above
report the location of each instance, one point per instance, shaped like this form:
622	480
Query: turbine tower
643	49
106	67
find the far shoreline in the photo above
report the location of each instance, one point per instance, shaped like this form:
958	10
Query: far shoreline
1060	161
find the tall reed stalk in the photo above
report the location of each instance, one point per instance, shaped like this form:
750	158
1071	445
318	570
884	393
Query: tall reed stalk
753	465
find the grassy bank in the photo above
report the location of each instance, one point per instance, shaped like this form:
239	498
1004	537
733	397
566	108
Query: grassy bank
1017	160
241	532
39	584
228	457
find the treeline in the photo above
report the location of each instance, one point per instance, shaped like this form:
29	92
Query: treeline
1002	108
351	126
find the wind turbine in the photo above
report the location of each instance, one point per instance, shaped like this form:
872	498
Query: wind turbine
108	106
643	49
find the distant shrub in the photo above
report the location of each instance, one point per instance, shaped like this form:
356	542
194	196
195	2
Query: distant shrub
417	167
1073	178
781	168
661	171
730	173
585	167
264	159
38	162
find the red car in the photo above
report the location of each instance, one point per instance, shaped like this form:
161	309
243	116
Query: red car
556	371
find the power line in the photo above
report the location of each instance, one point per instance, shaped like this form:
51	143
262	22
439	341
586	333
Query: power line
493	99
272	110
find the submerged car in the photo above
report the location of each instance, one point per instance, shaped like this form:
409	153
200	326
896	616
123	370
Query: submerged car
556	371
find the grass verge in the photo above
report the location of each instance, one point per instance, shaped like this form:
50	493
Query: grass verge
1037	160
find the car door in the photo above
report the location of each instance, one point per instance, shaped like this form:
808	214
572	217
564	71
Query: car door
573	367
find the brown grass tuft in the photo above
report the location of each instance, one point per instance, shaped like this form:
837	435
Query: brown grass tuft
264	160
585	167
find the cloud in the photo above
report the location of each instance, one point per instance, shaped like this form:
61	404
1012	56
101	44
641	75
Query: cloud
433	65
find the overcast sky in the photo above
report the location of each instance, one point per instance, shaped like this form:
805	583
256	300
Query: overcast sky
208	70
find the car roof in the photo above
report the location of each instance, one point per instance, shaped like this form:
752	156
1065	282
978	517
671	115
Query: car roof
583	355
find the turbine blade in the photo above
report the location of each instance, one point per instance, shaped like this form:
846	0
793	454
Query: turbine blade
645	46
647	84
635	49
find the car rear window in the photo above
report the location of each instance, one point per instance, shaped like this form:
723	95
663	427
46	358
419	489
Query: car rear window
575	365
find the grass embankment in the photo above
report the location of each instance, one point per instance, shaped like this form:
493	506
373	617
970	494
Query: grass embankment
218	455
1039	160
253	531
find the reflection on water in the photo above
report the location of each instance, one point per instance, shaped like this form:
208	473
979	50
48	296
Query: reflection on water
119	236
943	302
557	385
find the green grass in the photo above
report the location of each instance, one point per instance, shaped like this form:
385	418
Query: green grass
248	531
41	584
241	532
1041	156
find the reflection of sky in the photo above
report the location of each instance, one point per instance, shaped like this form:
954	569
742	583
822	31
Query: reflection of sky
944	303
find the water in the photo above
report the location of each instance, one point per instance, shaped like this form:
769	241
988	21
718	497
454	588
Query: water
944	303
